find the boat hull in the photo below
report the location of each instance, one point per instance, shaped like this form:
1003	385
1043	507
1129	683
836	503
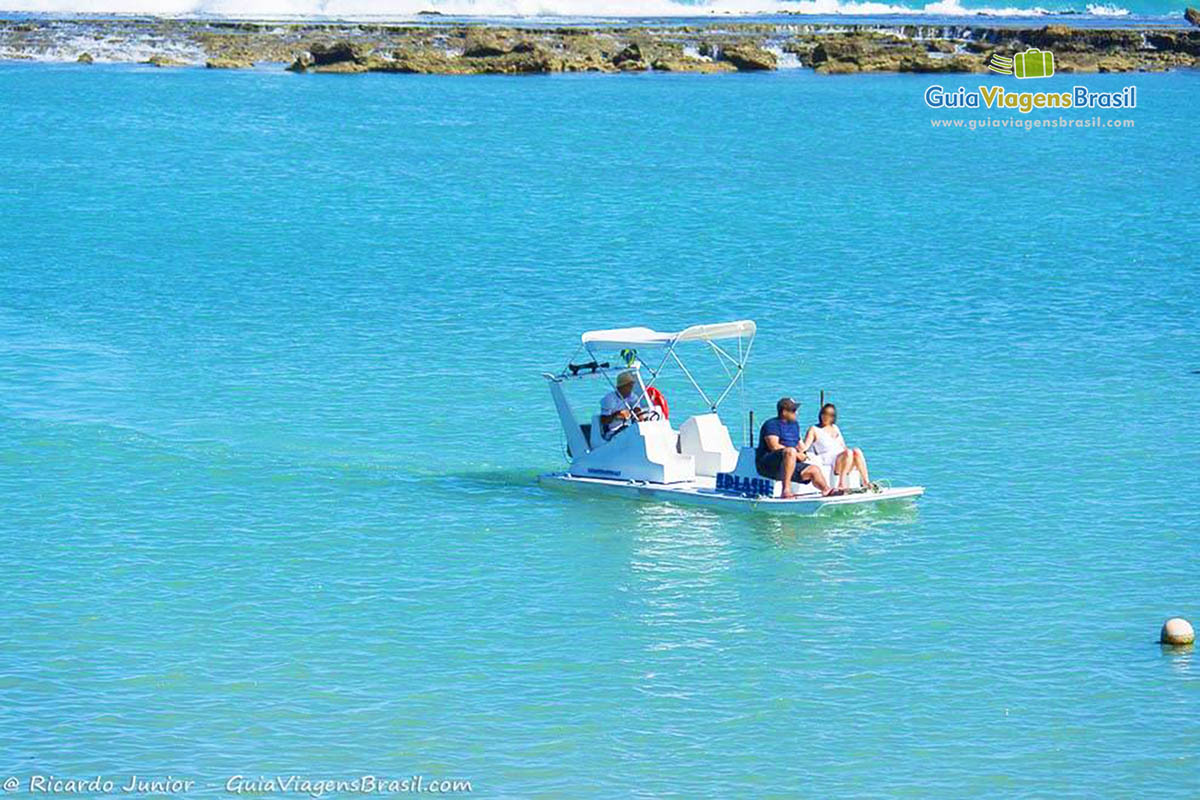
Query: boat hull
704	494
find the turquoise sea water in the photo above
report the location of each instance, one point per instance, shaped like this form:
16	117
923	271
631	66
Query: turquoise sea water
271	417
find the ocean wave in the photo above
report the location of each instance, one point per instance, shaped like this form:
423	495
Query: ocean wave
402	9
1097	10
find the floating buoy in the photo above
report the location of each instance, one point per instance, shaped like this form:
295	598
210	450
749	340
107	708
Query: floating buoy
1177	631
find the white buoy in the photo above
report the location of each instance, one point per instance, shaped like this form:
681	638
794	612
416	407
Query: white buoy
1177	631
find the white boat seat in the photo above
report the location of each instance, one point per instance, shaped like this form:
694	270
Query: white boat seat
594	434
706	439
853	479
744	477
746	470
645	451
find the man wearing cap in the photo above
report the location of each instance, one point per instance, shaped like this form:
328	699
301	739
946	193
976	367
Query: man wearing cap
621	405
779	456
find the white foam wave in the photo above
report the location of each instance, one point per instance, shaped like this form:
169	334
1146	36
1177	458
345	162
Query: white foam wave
1097	10
402	9
114	49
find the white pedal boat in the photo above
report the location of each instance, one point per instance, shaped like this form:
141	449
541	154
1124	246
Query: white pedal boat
696	464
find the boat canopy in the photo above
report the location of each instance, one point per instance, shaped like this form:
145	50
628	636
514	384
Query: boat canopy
647	337
628	341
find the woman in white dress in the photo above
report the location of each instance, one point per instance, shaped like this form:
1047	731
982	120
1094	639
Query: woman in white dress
829	448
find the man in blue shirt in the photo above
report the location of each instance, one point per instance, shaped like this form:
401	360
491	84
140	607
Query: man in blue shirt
780	455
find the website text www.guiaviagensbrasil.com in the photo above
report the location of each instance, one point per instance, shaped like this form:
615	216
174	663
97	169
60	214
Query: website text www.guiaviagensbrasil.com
1026	124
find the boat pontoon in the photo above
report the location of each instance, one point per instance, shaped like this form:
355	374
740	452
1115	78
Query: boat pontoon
694	464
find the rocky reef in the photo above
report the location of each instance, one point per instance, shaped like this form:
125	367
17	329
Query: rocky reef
443	48
1074	49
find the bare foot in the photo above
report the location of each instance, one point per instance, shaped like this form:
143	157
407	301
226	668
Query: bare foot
787	496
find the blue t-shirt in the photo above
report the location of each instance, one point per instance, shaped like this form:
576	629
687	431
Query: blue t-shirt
788	433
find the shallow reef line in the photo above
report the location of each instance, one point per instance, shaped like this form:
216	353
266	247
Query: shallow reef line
472	49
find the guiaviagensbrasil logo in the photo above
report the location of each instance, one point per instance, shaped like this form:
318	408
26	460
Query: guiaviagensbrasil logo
1033	63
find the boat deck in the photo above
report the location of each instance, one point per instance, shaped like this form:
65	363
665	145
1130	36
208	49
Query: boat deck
702	492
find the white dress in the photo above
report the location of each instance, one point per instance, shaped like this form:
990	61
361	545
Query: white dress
828	446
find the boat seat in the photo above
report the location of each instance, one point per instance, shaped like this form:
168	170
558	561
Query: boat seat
594	434
706	439
853	479
747	470
744	477
645	451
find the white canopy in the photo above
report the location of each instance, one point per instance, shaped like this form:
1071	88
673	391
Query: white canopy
646	337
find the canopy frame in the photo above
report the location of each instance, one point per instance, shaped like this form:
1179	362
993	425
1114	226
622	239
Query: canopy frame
629	339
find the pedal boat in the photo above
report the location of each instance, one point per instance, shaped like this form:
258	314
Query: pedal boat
696	464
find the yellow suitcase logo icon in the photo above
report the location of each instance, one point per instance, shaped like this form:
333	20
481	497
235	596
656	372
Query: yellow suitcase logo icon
1033	63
